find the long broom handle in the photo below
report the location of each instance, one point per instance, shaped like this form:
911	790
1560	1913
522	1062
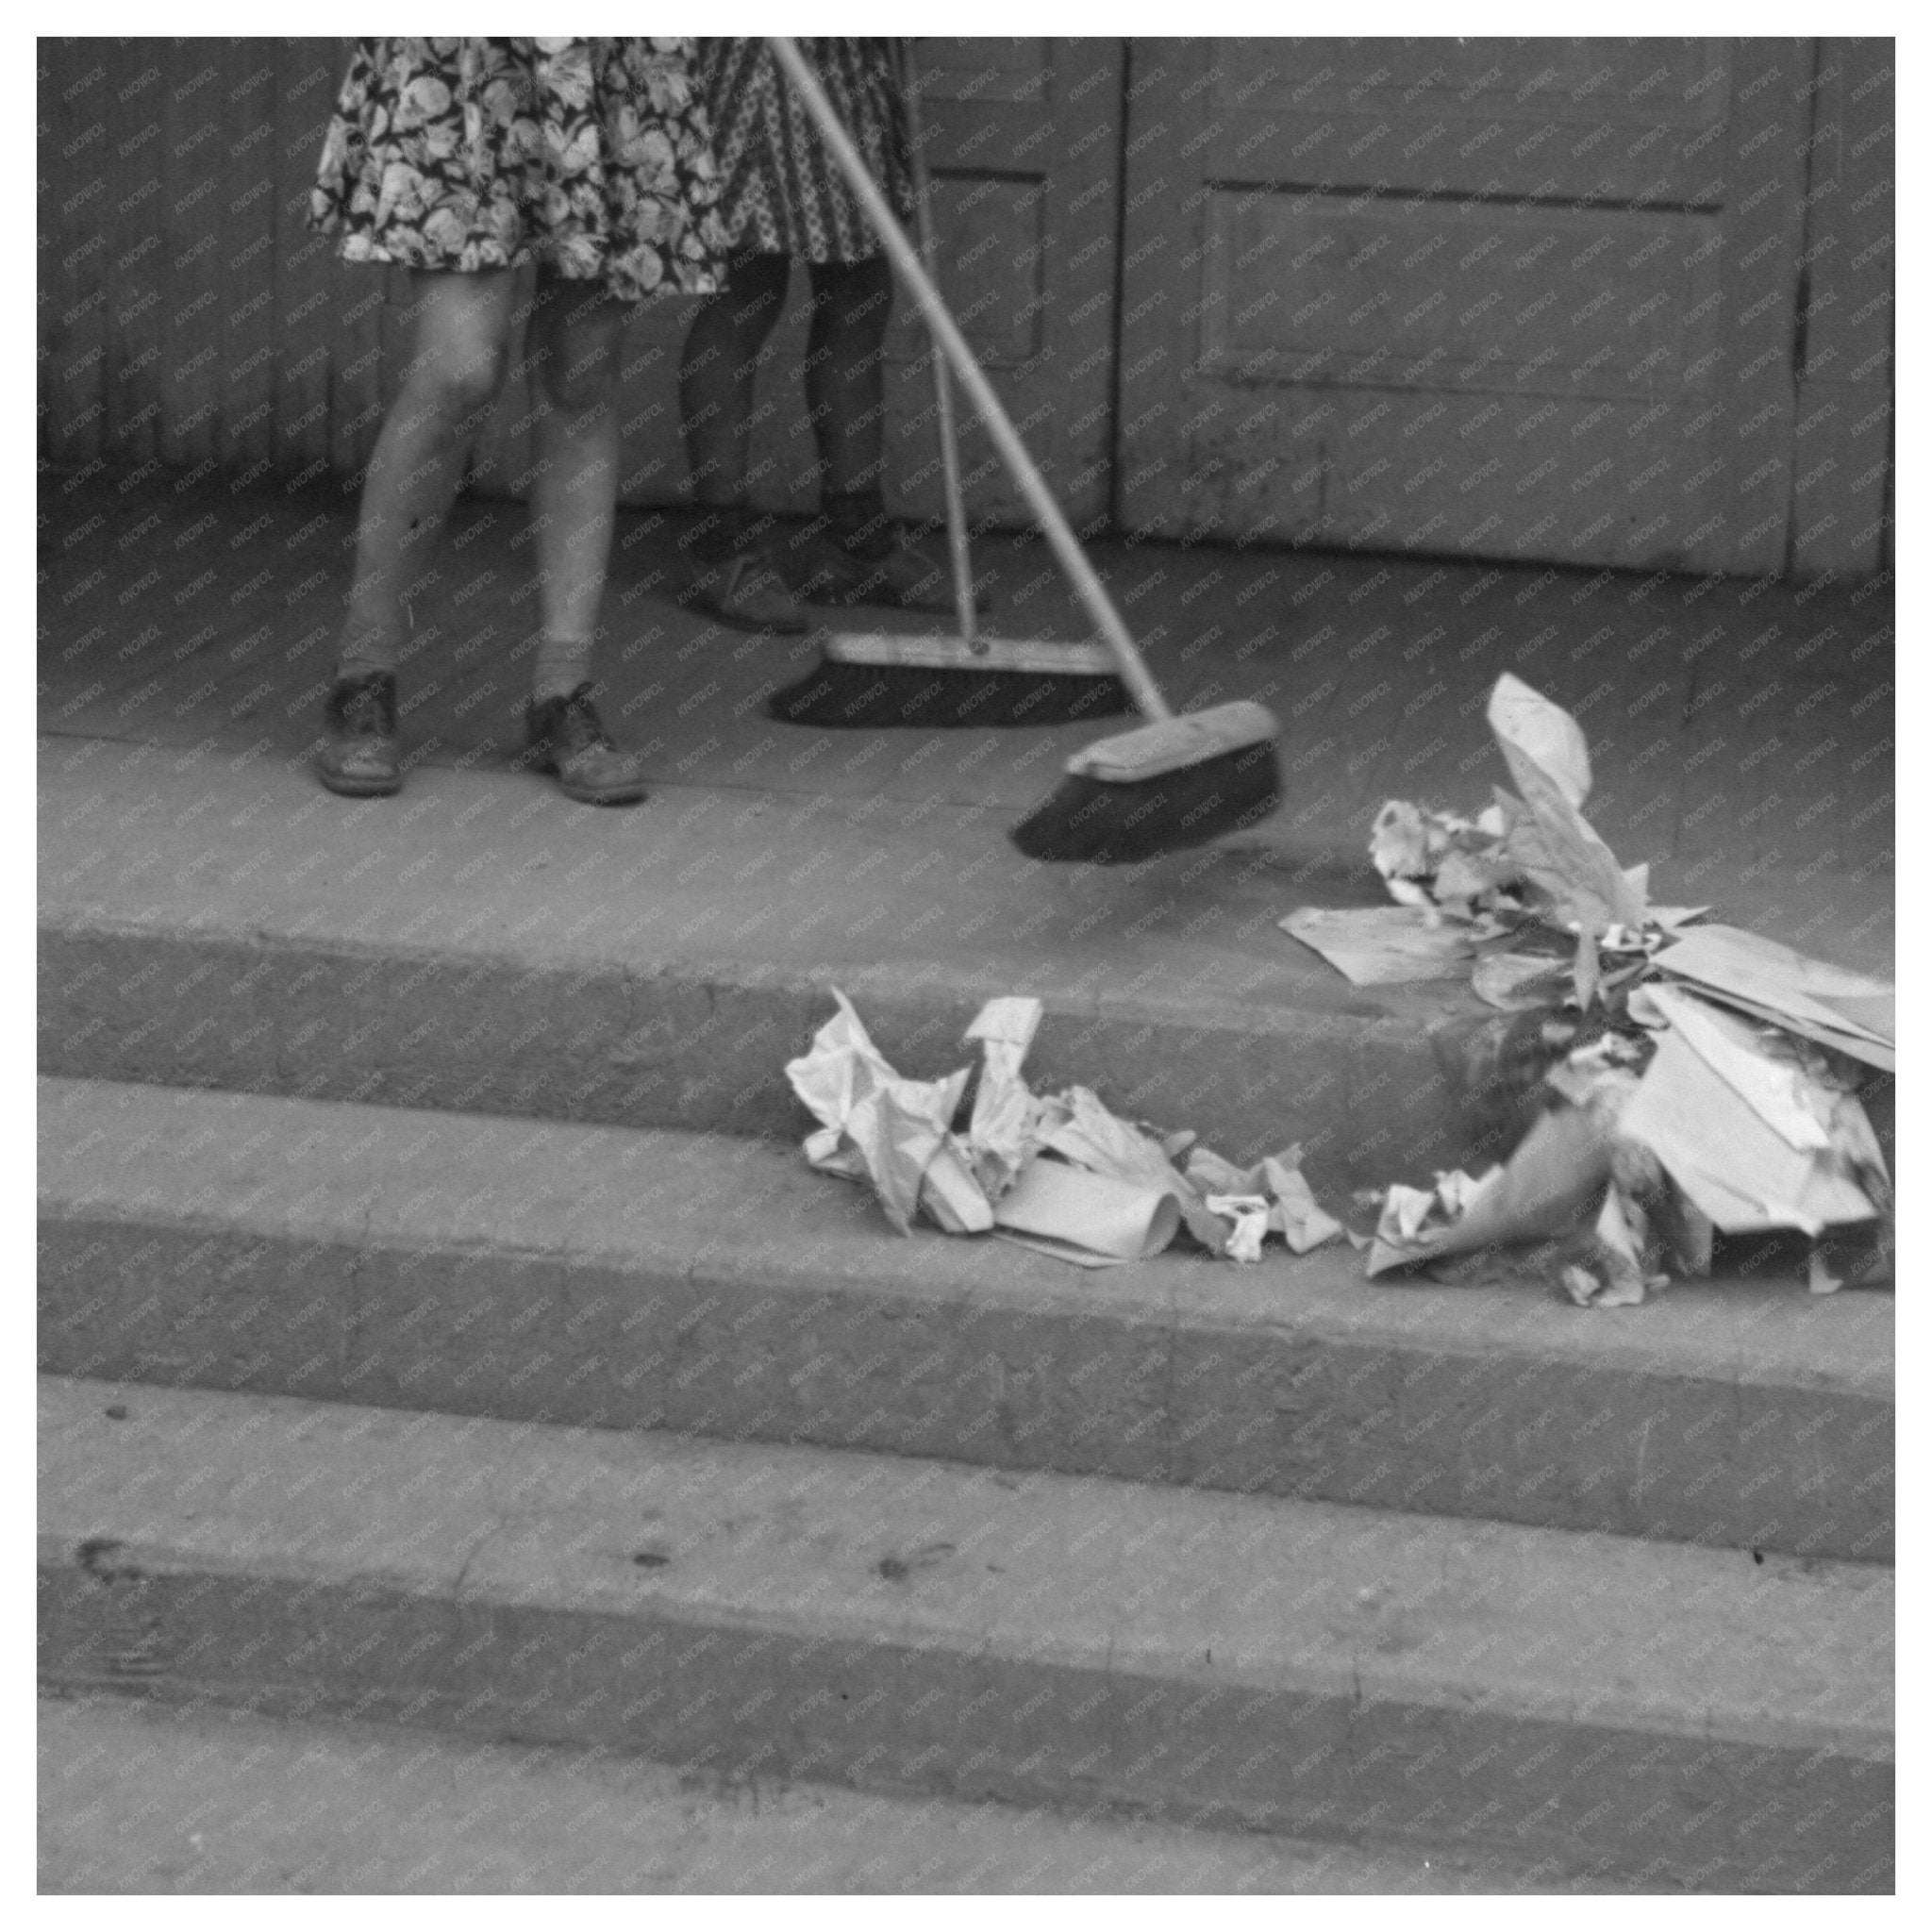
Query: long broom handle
1066	546
941	376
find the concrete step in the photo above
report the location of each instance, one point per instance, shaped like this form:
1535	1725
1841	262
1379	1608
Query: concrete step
1650	1710
140	1796
481	944
634	1280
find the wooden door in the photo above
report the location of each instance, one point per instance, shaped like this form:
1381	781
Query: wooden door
1023	143
1526	299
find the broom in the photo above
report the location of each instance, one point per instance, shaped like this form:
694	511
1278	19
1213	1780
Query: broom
1174	782
870	678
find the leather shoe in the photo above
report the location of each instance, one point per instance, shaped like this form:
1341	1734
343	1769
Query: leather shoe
567	739
746	591
360	755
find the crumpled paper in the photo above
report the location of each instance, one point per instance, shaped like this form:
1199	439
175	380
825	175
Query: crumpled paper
1287	1203
1091	1219
1551	840
1529	857
1748	1129
1560	1168
1382	946
1697	1123
884	1128
1060	1173
1850	1012
1003	1136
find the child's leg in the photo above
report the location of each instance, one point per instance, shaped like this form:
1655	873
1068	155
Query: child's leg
845	393
863	557
575	337
456	365
716	385
576	334
728	571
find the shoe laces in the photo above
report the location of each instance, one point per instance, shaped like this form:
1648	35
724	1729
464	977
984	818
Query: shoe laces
366	707
575	724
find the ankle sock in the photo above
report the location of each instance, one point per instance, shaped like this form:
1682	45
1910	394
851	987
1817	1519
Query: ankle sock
562	664
357	656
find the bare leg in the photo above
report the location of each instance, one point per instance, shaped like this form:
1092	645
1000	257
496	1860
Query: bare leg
728	566
455	367
845	379
866	556
576	334
716	382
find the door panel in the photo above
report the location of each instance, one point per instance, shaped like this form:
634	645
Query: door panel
1525	299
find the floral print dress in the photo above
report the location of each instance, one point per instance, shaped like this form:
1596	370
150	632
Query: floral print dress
590	157
783	191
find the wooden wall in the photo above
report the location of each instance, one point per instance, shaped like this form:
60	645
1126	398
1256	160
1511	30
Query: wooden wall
187	317
1841	497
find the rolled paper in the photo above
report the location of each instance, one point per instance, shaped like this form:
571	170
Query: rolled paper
1090	1211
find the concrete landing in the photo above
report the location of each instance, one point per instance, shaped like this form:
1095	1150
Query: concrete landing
1741	731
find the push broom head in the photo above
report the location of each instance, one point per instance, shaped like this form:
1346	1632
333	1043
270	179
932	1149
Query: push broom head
1160	789
869	679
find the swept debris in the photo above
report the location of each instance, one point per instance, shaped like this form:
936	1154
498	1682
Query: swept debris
1701	1080
1708	1076
1058	1173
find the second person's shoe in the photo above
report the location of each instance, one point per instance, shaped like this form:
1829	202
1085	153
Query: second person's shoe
898	572
746	591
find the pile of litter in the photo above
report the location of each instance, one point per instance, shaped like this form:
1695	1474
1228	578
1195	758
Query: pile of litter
1708	1079
1701	1080
1056	1173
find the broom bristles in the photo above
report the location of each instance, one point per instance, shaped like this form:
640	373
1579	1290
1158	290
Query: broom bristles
1110	822
844	697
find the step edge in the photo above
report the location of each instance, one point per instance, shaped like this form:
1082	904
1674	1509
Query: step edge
1839	1737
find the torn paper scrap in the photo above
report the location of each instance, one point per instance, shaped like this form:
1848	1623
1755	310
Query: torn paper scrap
1381	945
1615	1275
900	1129
1099	1212
1250	1214
1077	1125
1876	1013
1297	1217
1554	844
1208	1173
1399	842
1858	1046
1293	1211
1807	995
1061	1251
876	1123
841	1067
1774	1087
1091	1136
950	1192
1531	729
1515	982
1003	1133
1737	1170
1560	1166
